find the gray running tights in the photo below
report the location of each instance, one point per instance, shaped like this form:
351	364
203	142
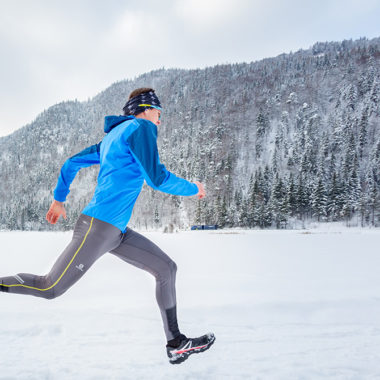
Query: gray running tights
91	239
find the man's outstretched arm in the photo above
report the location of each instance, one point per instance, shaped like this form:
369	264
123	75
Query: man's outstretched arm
143	145
87	157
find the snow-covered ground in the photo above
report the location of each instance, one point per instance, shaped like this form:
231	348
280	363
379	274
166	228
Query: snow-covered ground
282	304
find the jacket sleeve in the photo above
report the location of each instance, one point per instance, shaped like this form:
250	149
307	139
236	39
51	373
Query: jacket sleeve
143	146
87	157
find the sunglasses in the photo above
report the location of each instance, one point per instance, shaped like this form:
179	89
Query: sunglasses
150	105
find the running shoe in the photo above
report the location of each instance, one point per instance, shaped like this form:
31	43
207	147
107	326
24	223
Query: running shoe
189	346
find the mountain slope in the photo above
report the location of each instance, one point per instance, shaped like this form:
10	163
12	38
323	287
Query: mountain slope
288	138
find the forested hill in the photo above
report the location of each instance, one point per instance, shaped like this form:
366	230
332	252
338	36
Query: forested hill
295	137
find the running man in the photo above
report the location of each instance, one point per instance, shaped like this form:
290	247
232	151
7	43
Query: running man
127	156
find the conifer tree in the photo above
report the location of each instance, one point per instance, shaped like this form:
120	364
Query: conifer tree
319	201
363	132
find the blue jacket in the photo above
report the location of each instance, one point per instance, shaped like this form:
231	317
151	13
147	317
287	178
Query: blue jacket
127	156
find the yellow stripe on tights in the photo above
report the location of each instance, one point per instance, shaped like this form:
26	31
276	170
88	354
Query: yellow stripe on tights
68	265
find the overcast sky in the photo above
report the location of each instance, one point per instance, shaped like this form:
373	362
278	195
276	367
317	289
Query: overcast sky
54	50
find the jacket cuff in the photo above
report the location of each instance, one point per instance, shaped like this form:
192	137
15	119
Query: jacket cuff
60	196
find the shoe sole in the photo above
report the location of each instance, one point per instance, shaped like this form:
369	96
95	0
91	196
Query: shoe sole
184	356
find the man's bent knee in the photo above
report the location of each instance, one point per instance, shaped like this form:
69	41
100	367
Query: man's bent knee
173	267
47	290
49	294
170	270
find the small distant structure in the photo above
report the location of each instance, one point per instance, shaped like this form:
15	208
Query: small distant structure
204	227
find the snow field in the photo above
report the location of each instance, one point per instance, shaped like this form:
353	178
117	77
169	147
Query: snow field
282	304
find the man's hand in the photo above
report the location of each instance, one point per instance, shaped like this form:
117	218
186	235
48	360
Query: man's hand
55	211
201	190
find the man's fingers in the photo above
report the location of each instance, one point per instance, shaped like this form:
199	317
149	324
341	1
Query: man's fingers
51	217
201	190
55	212
48	216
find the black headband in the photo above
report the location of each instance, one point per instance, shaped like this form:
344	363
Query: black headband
141	102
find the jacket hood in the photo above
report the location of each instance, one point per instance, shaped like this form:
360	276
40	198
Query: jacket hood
112	121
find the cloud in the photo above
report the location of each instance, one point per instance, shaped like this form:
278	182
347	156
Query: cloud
134	31
127	32
201	16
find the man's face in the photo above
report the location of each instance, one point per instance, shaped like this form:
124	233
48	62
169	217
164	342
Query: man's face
152	115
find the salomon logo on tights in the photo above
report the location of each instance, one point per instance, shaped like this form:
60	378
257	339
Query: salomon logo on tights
80	267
